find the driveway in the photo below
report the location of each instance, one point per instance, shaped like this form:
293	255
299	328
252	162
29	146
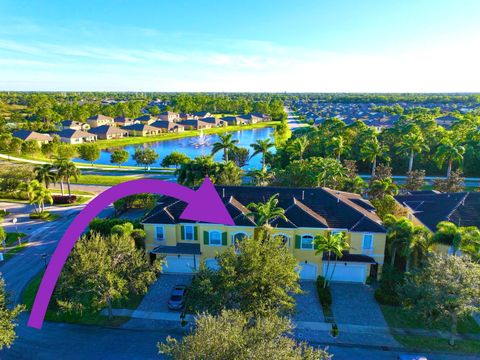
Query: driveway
156	301
308	306
355	304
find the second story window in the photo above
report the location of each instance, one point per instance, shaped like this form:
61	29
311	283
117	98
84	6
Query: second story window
307	242
215	238
188	232
367	243
160	233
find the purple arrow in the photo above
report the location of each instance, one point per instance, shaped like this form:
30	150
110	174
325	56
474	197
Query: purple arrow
202	205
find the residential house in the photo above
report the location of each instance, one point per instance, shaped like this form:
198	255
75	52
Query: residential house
28	135
75	125
202	114
168	126
124	121
309	212
250	119
169	116
216	122
71	136
196	124
233	120
145	119
99	120
142	130
428	208
184	116
107	132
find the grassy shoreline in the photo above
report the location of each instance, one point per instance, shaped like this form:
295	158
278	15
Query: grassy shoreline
135	140
138	140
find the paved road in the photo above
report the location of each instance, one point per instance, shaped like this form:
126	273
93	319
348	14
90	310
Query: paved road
68	341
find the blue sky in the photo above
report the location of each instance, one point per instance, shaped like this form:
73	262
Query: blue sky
324	46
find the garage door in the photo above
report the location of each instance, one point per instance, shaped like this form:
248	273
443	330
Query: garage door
307	271
180	264
346	273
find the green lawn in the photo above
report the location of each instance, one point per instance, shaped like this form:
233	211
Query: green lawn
104	179
87	317
11	240
425	343
398	317
46	216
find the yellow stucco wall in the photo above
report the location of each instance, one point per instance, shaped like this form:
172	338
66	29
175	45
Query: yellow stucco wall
173	235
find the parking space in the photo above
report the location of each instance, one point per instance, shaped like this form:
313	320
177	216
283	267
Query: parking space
157	297
308	306
355	304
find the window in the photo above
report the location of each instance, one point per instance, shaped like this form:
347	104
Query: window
215	238
160	233
285	239
188	232
236	238
307	242
367	242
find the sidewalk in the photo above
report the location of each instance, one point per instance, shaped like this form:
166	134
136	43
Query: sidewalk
302	325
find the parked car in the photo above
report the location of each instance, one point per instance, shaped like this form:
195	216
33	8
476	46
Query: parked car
177	297
411	357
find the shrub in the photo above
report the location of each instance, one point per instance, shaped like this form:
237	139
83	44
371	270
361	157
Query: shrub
387	294
104	226
324	295
42	215
63	199
385	298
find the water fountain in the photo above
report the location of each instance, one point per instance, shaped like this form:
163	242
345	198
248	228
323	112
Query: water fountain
201	141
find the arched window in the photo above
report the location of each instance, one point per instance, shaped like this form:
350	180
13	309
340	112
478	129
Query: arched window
285	239
238	237
306	242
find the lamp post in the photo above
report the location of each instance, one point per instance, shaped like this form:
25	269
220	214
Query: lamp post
44	257
14	221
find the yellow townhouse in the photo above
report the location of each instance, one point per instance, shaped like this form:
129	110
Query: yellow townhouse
428	208
309	212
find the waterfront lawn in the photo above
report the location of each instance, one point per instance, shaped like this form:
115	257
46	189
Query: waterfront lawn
104	179
88	317
133	140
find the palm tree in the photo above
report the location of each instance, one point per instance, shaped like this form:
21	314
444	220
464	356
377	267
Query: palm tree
461	238
331	244
336	147
421	243
70	171
381	187
46	174
37	195
193	172
60	166
260	176
399	233
226	143
450	152
411	144
264	213
330	174
371	150
262	147
298	147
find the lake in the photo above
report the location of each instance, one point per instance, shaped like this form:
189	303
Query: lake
188	147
